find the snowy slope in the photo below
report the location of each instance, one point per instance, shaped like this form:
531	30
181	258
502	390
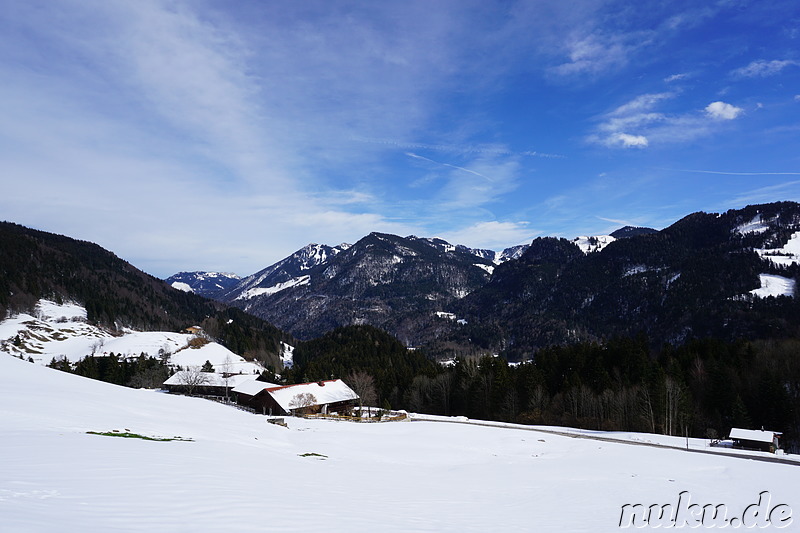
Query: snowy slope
592	244
62	331
786	255
238	473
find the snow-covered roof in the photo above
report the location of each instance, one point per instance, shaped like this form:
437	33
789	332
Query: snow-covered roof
253	387
325	392
212	379
757	435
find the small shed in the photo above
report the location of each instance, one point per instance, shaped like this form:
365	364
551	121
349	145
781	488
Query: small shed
755	439
194	330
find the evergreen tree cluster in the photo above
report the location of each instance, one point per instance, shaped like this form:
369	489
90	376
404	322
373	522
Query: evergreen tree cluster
700	389
139	372
361	348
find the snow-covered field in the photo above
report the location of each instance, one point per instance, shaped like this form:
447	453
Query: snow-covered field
774	285
238	473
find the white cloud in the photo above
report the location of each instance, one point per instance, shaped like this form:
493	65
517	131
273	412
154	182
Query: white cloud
723	111
595	53
492	235
629	141
676	77
763	68
474	183
211	141
639	124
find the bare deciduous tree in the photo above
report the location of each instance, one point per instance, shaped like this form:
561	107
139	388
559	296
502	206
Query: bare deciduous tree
227	365
192	378
363	384
302	401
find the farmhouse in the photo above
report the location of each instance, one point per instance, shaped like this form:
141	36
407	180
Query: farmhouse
318	397
204	383
755	439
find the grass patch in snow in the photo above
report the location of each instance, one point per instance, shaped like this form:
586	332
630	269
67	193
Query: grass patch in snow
129	435
312	454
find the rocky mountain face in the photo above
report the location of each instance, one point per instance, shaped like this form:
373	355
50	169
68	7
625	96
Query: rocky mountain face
206	284
286	273
401	284
729	276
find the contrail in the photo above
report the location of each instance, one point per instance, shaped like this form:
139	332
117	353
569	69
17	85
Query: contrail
415	156
733	173
453	148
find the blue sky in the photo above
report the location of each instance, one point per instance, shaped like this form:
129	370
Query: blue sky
217	135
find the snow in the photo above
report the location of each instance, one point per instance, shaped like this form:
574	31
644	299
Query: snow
487	268
239	473
593	244
757	226
259	291
757	435
324	392
252	387
636	269
287	355
212	379
181	286
62	331
68	311
219	357
773	285
785	256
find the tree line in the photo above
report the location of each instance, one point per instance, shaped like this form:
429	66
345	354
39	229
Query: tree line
701	388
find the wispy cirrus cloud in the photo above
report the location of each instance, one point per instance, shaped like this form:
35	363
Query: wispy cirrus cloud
639	123
474	184
492	235
459	149
763	68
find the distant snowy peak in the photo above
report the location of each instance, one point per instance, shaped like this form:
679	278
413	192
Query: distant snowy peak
290	272
496	257
260	291
514	252
314	255
202	282
592	244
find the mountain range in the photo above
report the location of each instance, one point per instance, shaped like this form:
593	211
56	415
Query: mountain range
729	275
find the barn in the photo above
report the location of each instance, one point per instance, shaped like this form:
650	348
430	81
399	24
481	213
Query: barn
193	382
304	398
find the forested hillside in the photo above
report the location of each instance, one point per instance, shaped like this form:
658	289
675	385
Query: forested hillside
698	278
35	264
